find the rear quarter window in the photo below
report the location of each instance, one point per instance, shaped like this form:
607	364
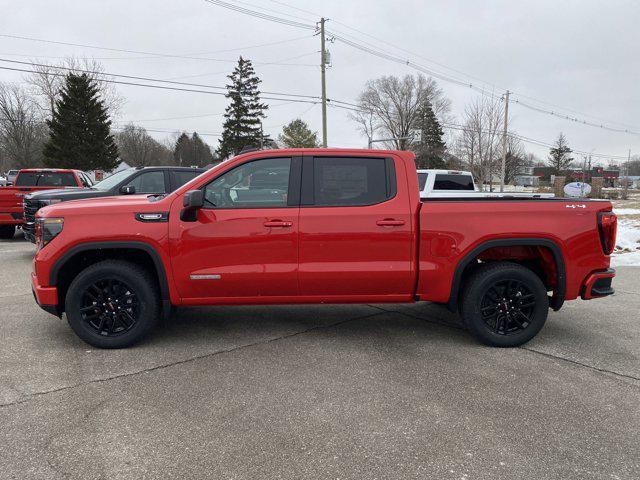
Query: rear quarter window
453	182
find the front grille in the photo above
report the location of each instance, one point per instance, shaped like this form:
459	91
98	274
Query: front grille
30	209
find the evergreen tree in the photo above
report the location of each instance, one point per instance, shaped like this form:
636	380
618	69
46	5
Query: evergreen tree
560	155
79	131
431	150
243	118
297	134
191	151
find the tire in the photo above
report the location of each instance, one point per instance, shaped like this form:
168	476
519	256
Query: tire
504	323
112	304
7	232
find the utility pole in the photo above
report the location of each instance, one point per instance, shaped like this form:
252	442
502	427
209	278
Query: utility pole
627	180
504	140
323	62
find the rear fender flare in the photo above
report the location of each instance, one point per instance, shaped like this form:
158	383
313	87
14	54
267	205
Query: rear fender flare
558	298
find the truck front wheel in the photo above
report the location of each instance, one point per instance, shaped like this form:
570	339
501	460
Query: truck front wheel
7	232
504	304
112	304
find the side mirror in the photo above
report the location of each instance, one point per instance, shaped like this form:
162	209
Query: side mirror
192	201
127	190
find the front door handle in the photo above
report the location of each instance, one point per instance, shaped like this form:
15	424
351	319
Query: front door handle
390	222
278	223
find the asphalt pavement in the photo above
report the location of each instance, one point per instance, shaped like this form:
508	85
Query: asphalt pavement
335	392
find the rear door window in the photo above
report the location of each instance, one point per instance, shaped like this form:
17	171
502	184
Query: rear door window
149	182
453	182
351	181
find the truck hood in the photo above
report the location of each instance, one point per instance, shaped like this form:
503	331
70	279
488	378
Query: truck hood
104	206
62	193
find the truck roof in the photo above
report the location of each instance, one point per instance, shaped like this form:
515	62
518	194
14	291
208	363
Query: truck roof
55	170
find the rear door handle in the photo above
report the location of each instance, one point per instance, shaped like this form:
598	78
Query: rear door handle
277	223
390	222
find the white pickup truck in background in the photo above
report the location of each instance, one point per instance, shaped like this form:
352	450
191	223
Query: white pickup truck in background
458	183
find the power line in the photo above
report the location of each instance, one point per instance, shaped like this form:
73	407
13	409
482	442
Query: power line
160	87
138	52
133	77
263	16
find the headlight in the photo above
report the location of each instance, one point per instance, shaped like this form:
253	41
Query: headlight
47	229
51	201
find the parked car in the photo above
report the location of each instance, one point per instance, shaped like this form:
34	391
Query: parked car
347	226
147	180
30	180
11	176
458	183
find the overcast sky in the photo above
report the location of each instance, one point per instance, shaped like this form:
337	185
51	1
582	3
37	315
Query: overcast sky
581	55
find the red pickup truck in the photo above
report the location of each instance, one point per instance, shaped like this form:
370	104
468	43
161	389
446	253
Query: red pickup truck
318	226
30	180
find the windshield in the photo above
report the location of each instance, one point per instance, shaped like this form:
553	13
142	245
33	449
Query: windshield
110	182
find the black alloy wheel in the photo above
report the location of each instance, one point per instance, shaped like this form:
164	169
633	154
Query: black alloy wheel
507	307
113	303
504	304
110	307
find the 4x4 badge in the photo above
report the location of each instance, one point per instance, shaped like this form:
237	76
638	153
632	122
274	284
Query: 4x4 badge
574	205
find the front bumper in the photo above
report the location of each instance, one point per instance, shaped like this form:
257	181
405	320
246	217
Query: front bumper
598	284
46	297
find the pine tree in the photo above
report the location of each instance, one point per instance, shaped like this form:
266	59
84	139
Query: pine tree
243	118
297	134
560	155
430	153
192	151
79	131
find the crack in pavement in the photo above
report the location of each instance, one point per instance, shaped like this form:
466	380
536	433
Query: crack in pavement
30	396
529	349
581	364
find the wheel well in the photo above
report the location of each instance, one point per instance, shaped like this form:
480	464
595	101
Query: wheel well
544	259
84	258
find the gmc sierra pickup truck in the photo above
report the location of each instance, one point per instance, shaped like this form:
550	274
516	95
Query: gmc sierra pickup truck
318	226
30	180
147	180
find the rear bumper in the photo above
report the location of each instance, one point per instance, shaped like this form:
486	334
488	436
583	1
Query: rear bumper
598	284
46	297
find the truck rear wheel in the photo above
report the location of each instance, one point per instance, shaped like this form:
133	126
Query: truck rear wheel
7	232
112	304
504	304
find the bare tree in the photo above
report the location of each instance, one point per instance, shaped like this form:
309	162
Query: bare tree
516	159
390	106
138	149
48	79
22	130
479	144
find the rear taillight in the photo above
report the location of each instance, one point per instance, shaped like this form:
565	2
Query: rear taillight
608	226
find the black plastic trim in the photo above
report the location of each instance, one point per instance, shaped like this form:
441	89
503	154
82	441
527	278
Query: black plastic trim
558	298
164	217
155	256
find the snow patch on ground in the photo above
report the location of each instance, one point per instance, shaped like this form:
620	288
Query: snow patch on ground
627	251
626	211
